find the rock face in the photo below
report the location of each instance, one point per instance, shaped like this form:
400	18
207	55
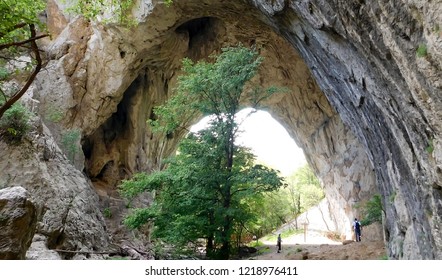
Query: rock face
18	220
363	104
67	214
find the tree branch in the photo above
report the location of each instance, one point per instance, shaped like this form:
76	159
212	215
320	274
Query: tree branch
15	27
30	40
31	78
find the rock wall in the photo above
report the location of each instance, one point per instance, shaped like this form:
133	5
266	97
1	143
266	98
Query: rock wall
364	57
66	211
18	219
363	105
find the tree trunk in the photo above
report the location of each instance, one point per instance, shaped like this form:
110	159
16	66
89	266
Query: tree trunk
210	237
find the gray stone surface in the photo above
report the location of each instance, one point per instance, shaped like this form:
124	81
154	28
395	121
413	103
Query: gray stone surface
67	210
18	220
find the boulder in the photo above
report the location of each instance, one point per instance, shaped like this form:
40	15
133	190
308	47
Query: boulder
18	220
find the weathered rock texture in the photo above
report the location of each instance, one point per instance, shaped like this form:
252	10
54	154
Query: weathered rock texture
363	106
67	211
18	219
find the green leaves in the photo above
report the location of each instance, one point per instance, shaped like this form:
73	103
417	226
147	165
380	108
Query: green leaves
15	123
140	217
203	191
15	14
107	11
140	183
372	210
215	88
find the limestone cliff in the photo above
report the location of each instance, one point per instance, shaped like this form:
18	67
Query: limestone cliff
64	204
363	105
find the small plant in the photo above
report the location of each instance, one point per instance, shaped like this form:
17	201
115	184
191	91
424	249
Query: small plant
4	73
430	147
264	250
107	213
422	50
54	114
15	123
69	142
392	197
3	219
257	243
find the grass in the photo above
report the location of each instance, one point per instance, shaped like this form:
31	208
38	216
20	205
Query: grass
284	234
430	147
264	250
422	50
257	243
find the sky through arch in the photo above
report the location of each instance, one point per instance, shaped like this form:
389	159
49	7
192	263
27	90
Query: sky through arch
268	139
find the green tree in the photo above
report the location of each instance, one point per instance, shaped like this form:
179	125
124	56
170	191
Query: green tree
19	26
372	210
204	187
304	190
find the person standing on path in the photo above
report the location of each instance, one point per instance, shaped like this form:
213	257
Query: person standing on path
278	243
357	228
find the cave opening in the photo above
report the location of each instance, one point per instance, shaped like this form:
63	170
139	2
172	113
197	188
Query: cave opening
268	140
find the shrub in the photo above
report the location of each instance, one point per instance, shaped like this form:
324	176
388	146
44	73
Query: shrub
421	50
430	147
54	114
4	73
372	211
107	213
69	142
15	123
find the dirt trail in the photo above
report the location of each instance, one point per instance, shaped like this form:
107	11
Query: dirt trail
318	247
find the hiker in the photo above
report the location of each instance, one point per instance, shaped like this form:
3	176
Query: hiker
278	243
357	228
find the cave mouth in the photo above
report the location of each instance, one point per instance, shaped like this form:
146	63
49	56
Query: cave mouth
304	112
198	29
204	36
268	140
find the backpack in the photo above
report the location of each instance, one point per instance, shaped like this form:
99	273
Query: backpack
357	226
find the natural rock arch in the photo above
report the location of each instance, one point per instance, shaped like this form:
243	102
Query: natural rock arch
363	107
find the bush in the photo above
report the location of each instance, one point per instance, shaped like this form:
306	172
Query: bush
15	123
69	141
372	211
4	73
421	50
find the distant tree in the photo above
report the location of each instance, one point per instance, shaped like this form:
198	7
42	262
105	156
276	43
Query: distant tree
304	190
201	193
372	210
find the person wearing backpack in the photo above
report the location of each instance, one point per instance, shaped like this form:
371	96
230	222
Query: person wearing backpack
357	228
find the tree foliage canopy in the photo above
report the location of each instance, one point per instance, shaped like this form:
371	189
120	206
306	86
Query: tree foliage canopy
273	209
19	26
17	14
202	193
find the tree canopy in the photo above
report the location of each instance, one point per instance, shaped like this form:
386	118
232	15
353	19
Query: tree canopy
202	192
19	26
